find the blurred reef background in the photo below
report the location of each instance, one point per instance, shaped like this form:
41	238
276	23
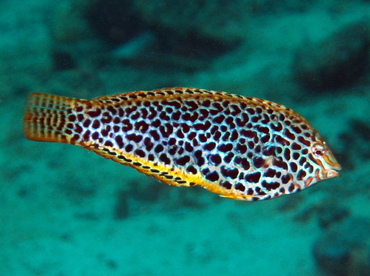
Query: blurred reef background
67	211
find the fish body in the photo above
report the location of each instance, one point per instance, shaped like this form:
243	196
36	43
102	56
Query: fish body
238	147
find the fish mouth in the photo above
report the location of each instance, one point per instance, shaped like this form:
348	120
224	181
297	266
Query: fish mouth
330	168
331	173
332	162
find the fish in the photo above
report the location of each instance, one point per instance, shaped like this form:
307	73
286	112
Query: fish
239	147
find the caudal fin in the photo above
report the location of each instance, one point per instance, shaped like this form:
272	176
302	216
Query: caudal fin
45	117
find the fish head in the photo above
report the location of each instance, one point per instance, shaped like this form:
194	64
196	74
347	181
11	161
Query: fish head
323	161
300	162
324	157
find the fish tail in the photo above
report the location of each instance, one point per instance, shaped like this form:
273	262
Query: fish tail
46	116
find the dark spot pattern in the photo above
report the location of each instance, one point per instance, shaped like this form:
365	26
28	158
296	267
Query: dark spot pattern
255	148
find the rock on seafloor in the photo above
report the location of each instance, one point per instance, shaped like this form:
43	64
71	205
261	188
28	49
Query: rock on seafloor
336	62
345	249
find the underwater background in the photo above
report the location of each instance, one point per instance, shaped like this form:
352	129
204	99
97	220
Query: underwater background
67	211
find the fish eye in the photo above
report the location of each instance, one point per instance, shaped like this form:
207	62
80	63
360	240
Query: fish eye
318	150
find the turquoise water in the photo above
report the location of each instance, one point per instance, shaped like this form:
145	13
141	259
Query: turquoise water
67	211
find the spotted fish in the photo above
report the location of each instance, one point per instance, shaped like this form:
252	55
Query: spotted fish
239	147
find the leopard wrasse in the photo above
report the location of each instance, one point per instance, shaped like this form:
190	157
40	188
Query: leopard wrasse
238	147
